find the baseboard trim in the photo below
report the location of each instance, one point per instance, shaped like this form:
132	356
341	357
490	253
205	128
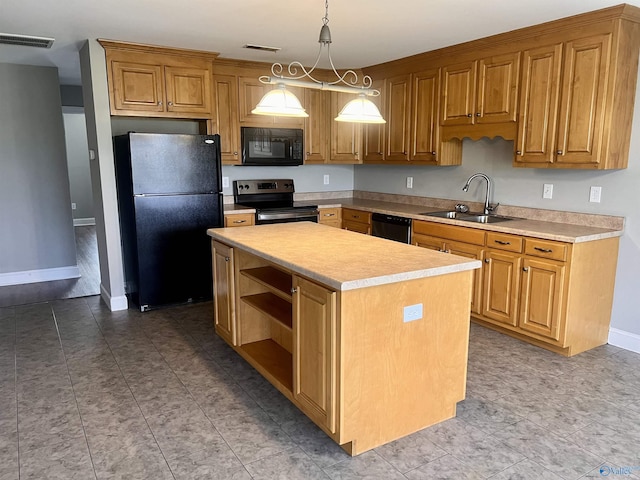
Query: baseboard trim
113	303
36	276
627	340
83	222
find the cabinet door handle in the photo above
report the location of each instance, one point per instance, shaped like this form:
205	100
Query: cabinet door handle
160	103
446	251
525	269
294	289
171	104
518	152
559	152
235	153
226	259
478	114
469	115
433	153
486	260
502	243
545	250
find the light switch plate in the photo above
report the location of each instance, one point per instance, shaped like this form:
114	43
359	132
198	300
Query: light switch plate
326	180
225	182
409	182
595	194
547	190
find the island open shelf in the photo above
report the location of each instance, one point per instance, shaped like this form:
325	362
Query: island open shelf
320	313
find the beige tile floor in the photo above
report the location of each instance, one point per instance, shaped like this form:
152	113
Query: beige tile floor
86	394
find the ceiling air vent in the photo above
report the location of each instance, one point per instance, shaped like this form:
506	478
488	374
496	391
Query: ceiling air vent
262	48
25	40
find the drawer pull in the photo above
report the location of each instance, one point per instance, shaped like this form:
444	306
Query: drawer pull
502	243
239	221
544	250
356	216
329	214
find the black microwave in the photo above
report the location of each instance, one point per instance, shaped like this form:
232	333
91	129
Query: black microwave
272	146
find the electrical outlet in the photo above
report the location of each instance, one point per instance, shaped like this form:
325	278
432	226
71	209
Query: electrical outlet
73	206
547	190
326	179
409	182
595	193
225	182
412	312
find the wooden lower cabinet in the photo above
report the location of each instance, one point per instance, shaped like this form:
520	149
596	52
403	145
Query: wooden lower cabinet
540	291
239	220
501	286
356	221
224	292
331	217
314	351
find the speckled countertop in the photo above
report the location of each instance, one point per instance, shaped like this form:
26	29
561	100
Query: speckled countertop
546	224
340	259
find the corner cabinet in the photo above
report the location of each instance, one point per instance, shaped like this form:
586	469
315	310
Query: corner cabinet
158	82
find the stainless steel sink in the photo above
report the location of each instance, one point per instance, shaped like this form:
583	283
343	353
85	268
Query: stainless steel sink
447	214
468	217
483	218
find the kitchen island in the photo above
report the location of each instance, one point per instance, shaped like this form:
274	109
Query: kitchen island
368	337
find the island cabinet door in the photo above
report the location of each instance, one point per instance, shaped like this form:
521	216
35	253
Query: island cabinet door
223	292
314	352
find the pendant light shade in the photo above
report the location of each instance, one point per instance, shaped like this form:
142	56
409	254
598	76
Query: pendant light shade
360	110
280	102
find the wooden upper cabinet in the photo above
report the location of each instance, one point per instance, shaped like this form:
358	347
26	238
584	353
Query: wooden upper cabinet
316	126
345	137
425	104
563	116
136	87
225	89
374	133
458	93
188	90
537	126
157	81
497	95
398	111
581	122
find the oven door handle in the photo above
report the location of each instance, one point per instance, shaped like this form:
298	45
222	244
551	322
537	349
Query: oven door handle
286	215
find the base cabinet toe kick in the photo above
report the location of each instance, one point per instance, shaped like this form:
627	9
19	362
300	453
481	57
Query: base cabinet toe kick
354	361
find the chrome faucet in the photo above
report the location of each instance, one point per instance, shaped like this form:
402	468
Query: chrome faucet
487	208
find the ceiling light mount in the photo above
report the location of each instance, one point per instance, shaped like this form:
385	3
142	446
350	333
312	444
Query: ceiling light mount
348	82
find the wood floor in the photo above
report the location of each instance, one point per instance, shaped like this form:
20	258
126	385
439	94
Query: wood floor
87	284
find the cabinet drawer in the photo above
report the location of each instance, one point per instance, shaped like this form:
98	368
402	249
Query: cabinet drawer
239	220
356	216
546	249
503	241
449	232
328	215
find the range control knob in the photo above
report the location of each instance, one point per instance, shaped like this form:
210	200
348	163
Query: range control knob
246	186
240	187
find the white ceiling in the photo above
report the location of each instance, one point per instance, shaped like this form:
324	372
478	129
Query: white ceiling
365	32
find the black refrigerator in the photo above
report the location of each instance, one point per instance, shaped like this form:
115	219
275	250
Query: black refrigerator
169	194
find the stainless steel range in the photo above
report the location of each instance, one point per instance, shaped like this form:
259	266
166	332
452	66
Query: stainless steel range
273	201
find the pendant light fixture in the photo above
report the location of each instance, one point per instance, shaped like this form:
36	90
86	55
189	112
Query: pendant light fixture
282	102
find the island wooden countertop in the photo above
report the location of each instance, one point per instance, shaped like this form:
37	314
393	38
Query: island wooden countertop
340	259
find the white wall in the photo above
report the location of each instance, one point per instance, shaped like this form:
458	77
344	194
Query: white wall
36	229
523	187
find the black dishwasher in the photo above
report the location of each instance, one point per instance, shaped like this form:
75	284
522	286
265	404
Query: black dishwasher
391	227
